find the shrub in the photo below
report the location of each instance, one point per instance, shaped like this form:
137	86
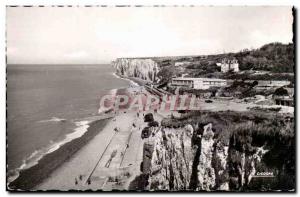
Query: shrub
148	117
281	92
153	124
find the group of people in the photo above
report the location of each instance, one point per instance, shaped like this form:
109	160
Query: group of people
80	177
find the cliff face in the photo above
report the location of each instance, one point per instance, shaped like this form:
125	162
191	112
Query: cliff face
186	159
145	69
170	166
206	172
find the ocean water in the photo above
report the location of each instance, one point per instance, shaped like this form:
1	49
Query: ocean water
49	105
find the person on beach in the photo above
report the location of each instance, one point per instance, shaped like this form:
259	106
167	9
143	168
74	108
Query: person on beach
76	182
116	129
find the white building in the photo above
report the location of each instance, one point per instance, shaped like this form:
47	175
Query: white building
229	65
198	83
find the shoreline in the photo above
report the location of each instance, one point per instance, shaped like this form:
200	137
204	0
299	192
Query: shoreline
93	160
133	80
81	128
31	177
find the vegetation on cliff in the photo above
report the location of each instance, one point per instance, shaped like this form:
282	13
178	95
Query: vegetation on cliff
237	145
275	58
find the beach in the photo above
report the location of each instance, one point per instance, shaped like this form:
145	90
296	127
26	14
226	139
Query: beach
107	156
54	135
111	160
32	176
50	105
105	149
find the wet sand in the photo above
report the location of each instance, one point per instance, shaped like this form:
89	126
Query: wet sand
31	177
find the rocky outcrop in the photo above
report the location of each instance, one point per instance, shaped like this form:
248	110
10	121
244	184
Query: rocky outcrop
243	165
220	157
206	173
172	159
192	158
143	68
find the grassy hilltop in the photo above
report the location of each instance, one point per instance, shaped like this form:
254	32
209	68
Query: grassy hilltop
275	58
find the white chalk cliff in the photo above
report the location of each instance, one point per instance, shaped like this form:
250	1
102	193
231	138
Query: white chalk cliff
172	159
143	68
179	159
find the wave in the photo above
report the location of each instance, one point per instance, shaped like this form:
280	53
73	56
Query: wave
116	75
82	127
33	159
132	83
53	119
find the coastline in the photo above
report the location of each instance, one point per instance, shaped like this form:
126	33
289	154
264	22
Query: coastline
132	80
85	158
34	175
29	178
92	162
81	128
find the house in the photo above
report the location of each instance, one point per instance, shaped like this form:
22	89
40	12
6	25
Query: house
198	83
229	64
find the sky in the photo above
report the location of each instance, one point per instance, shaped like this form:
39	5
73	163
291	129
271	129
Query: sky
95	35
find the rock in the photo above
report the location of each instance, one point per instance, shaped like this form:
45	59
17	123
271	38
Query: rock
221	155
206	173
147	156
172	162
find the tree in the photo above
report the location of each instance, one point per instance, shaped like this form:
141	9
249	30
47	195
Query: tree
165	74
281	92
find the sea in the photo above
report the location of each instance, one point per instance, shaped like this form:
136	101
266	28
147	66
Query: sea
50	105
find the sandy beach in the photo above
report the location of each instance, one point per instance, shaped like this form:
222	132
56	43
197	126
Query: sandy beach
111	160
86	159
